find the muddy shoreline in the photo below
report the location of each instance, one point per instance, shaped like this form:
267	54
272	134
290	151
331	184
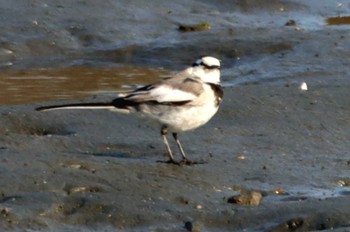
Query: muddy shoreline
72	170
98	171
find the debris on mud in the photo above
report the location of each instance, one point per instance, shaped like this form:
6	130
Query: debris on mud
193	28
246	198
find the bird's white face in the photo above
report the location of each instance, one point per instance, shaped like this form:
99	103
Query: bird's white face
208	69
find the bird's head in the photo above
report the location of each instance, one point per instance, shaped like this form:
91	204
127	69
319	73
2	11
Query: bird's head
207	68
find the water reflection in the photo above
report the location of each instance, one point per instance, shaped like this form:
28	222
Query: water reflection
20	87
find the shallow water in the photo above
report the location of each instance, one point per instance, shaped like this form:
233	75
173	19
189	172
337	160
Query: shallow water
21	87
341	20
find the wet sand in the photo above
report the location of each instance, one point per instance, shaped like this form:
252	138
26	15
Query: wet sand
98	171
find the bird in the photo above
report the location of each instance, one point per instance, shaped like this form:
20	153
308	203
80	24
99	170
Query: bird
179	103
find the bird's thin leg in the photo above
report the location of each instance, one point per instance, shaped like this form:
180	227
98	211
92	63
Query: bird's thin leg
164	132
179	146
184	158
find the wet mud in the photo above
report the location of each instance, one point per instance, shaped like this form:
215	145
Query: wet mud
277	153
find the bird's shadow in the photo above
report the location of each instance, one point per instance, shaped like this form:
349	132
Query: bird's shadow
116	155
126	156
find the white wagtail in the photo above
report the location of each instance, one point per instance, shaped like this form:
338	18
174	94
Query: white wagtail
183	102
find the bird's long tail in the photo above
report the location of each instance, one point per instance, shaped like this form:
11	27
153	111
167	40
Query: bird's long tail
107	106
120	104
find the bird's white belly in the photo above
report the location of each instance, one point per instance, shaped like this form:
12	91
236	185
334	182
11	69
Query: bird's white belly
183	118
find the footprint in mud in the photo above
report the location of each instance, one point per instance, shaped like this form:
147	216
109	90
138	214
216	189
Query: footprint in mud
118	151
81	205
79	210
41	131
7	216
82	189
78	165
117	156
30	125
311	223
290	225
12	220
70	206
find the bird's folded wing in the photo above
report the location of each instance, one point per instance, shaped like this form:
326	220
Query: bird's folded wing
169	90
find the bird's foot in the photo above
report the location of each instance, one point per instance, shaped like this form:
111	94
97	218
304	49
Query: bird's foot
190	162
183	162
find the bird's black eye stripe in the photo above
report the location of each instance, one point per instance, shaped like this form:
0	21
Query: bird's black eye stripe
210	67
206	66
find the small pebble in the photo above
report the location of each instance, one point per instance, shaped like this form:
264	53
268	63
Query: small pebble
248	198
196	27
192	226
4	51
278	191
188	226
303	86
343	182
290	22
